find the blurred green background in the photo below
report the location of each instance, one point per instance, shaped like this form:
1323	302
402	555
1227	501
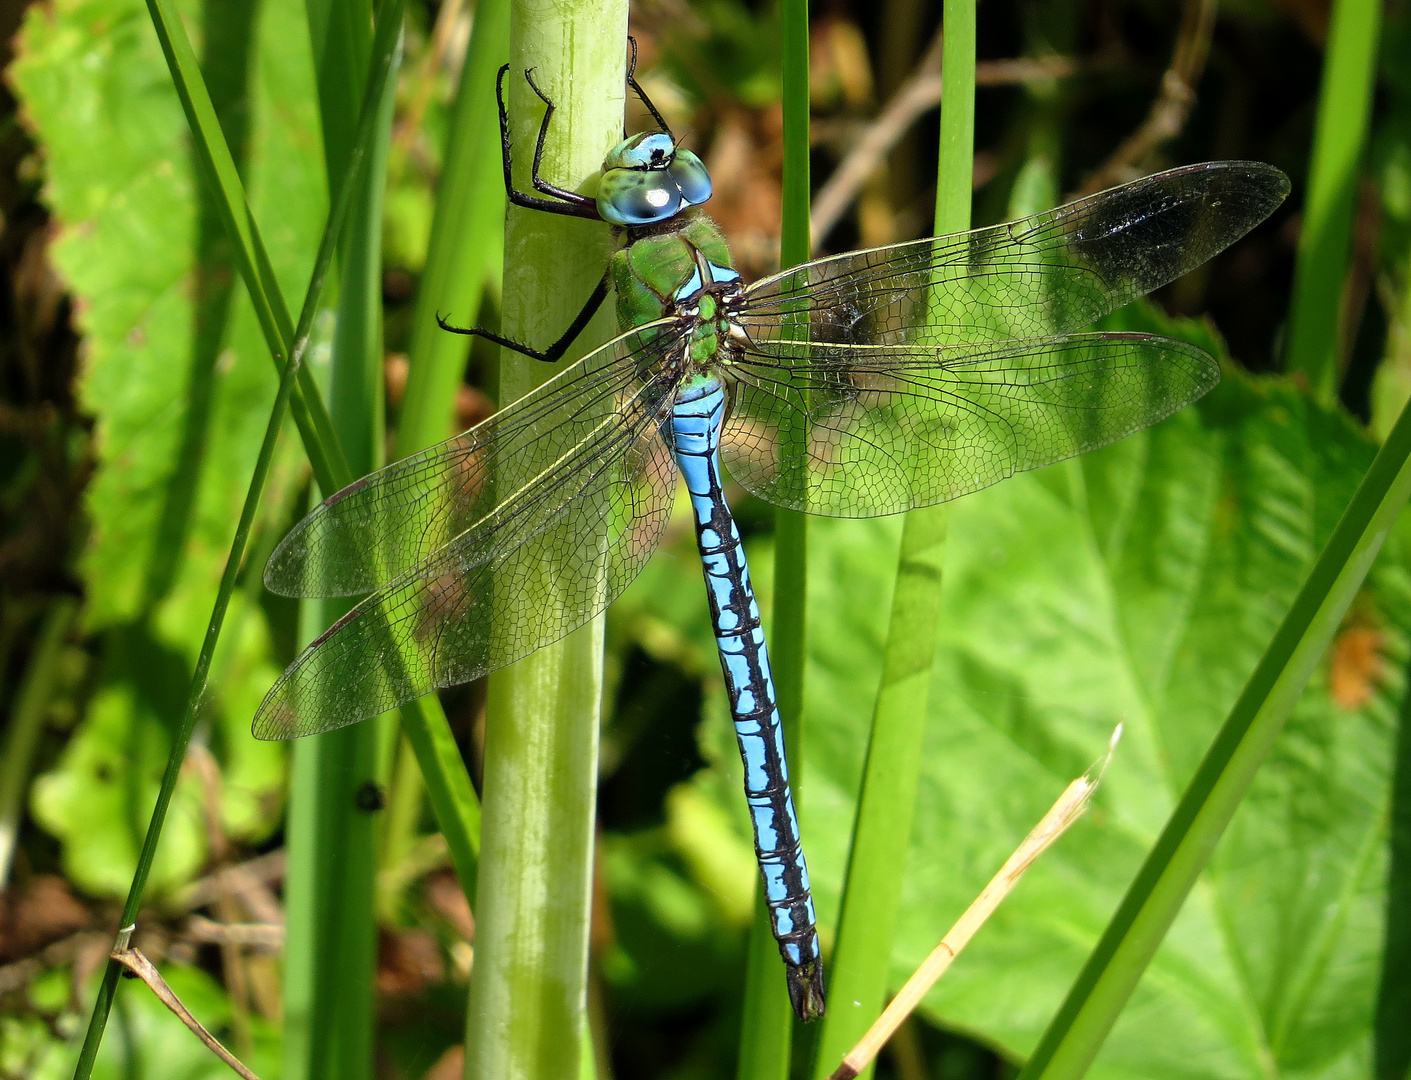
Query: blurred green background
1138	584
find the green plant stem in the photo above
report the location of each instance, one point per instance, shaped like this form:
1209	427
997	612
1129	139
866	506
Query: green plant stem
525	1014
448	786
27	721
330	944
466	230
1391	1037
1325	240
766	1037
1111	973
228	41
212	150
872	887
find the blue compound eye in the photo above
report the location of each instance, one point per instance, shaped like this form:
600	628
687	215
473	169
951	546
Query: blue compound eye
647	150
692	179
646	179
633	197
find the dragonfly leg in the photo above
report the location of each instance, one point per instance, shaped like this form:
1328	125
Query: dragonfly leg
555	351
564	201
642	94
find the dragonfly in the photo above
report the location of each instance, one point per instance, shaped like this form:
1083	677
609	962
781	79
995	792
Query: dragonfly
856	385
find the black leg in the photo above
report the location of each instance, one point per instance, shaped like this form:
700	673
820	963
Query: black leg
540	184
569	203
558	348
642	94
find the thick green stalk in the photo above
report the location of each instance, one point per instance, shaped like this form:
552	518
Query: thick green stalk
766	1035
1223	778
259	279
529	987
1325	240
330	950
881	837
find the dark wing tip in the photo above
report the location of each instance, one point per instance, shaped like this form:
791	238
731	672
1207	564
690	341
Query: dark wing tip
1142	235
1258	187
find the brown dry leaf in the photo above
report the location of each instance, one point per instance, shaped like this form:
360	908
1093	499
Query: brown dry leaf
407	961
396	369
472	406
450	1065
444	896
1355	666
744	166
41	911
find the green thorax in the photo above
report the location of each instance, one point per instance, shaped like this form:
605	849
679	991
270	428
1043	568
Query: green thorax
650	270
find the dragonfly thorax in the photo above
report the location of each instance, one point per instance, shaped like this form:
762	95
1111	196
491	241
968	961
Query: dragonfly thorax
681	273
705	304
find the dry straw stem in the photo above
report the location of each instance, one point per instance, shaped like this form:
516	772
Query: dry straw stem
139	965
1069	807
1172	107
913	99
425	83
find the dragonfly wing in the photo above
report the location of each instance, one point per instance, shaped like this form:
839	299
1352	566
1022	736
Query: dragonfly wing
585	507
865	430
445	506
1050	274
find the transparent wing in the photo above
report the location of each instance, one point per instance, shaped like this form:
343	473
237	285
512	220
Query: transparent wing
1050	274
458	499
515	534
863	430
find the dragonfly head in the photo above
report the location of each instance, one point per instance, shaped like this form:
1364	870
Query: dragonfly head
648	178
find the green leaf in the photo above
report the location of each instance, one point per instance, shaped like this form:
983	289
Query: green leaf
1139	584
98	797
120	180
173	451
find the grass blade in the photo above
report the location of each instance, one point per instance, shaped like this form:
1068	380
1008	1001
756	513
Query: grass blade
1325	240
192	91
767	1034
219	172
466	231
1391	1039
528	990
1111	973
872	887
330	949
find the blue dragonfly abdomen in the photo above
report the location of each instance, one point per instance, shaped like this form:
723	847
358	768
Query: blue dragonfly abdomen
696	420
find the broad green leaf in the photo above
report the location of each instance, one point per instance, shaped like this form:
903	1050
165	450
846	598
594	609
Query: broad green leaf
1137	585
120	181
1140	585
